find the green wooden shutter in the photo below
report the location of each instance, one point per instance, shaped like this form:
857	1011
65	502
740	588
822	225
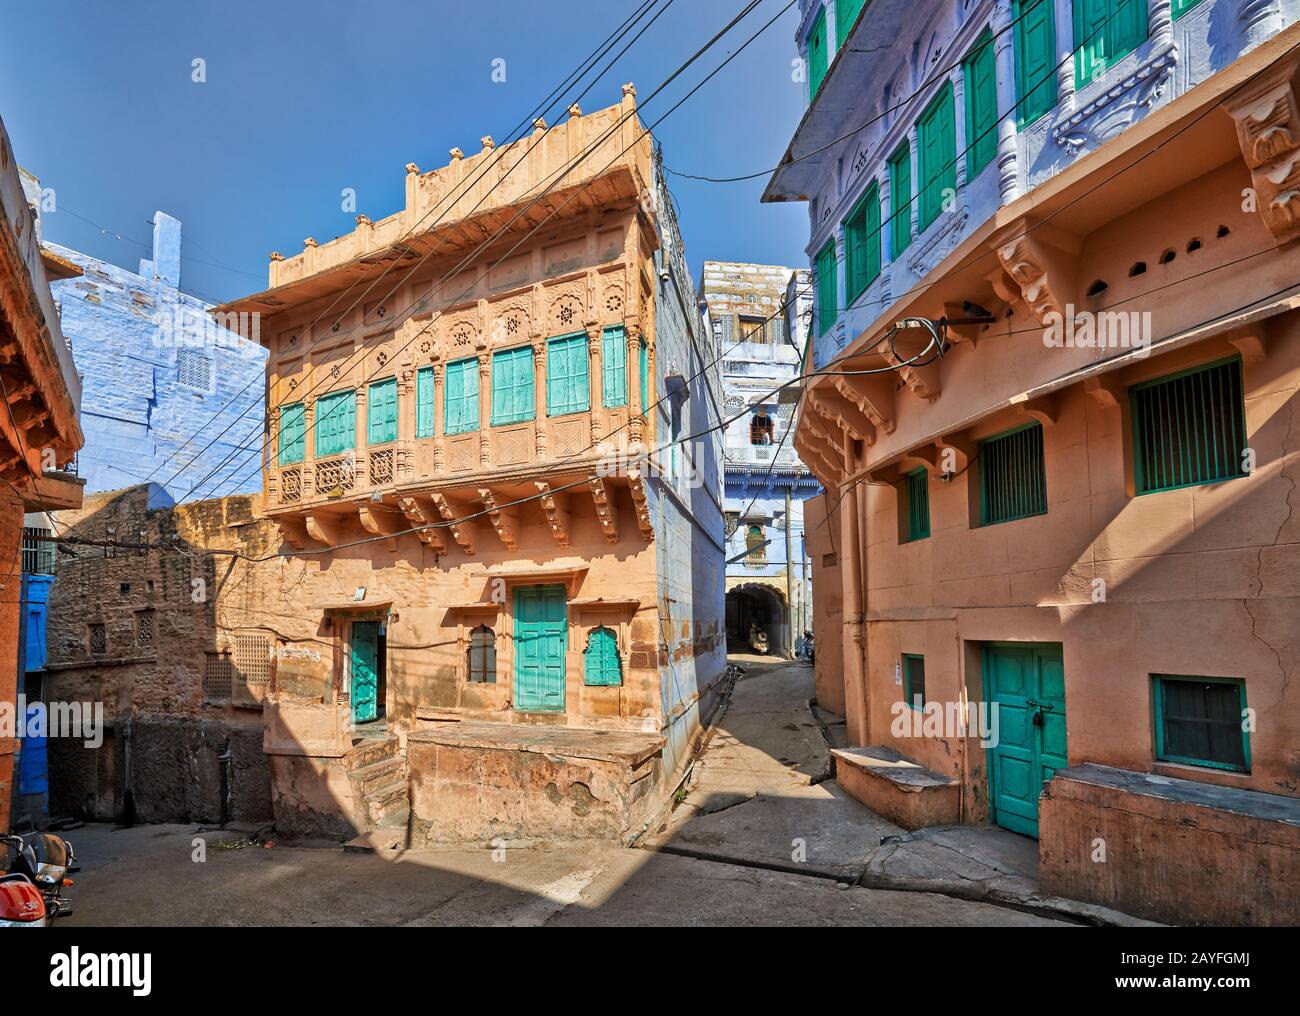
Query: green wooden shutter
917	493
914	679
1181	7
568	385
1189	428
381	412
981	88
817	55
293	434
513	399
643	355
937	137
601	663
336	423
900	200
862	243
827	291
846	13
1013	480
1105	31
613	367
1035	40
1199	722
460	400
424	402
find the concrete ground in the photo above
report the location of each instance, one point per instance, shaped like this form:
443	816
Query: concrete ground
148	875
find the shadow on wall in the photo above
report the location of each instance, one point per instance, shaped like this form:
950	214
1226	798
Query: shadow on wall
133	631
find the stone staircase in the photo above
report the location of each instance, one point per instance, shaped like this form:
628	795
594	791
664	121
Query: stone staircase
377	772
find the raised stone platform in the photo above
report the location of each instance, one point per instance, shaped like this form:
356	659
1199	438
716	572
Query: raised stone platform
1175	850
897	788
504	782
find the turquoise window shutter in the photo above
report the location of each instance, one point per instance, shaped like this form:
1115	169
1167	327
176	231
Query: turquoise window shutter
601	663
643	352
1035	44
613	368
827	290
900	199
461	397
846	13
293	434
424	402
817	55
513	399
381	412
981	105
862	238
567	381
336	423
936	133
1106	31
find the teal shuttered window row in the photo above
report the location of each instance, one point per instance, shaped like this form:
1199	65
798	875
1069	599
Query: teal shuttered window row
336	423
1012	476
460	412
1201	721
293	434
512	386
1189	428
568	387
381	412
601	663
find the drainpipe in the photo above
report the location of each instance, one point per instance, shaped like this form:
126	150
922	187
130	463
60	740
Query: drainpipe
789	582
851	642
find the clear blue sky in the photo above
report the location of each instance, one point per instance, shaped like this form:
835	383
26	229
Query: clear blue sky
303	99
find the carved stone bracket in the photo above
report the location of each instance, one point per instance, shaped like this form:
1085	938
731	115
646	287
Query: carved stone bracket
1041	262
505	521
461	532
606	510
1268	131
641	504
556	507
420	513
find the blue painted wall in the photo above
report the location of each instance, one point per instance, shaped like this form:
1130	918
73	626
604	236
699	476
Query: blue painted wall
156	369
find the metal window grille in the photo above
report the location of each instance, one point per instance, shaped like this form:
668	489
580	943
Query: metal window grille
253	659
482	656
1189	429
194	370
755	545
917	495
1013	481
38	551
217	677
1200	722
98	639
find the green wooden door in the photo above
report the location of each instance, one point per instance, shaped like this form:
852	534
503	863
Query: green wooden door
1026	683
541	629
365	671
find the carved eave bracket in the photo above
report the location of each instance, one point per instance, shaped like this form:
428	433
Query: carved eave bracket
461	527
293	531
641	504
326	529
873	395
847	415
1251	343
1046	409
1040	260
379	521
505	521
606	510
1268	130
556	507
421	516
1104	390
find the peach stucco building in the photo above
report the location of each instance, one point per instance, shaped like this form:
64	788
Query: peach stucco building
1059	548
490	462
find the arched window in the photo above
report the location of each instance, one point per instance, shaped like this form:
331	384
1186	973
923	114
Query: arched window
755	545
482	655
760	429
601	663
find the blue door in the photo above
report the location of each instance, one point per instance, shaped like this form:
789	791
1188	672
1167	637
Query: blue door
541	630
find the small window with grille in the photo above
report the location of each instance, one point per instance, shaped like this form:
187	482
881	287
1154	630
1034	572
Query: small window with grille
1201	721
252	659
144	627
482	661
98	640
1189	428
761	429
38	551
217	677
194	370
1012	476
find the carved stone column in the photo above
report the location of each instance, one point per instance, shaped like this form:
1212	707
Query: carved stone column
1065	57
439	414
914	156
958	79
1008	139
1260	20
595	387
1160	22
539	392
635	397
484	408
309	442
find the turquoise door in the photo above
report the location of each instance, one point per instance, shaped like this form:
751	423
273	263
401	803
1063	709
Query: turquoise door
540	635
365	671
1026	683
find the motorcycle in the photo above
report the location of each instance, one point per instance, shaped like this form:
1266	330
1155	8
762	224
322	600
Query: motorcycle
808	647
21	903
45	860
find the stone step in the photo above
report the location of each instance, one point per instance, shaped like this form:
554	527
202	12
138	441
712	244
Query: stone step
369	750
386	802
377	775
376	841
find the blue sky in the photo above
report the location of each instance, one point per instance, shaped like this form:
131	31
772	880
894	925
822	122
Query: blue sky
304	99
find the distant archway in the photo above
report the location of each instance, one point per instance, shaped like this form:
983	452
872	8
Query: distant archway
761	606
